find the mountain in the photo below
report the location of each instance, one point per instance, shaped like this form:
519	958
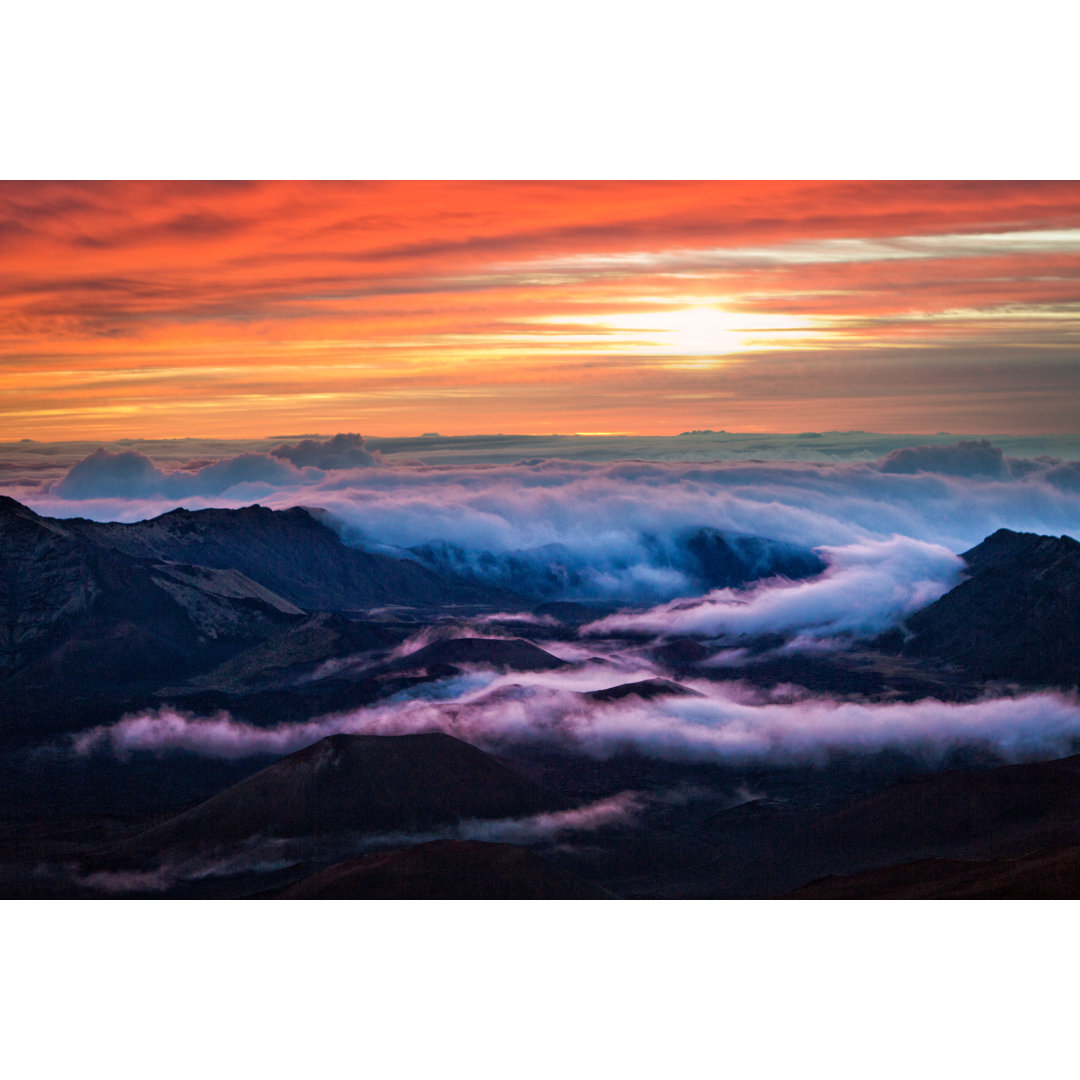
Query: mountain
291	552
774	846
99	618
721	560
303	654
1016	617
1003	810
444	870
507	654
1041	875
82	626
348	784
646	689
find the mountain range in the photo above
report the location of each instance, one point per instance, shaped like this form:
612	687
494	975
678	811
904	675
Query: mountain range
269	618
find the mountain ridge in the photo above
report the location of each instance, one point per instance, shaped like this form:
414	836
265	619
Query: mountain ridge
1015	617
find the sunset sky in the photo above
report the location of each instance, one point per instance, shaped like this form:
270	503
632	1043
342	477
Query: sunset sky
233	309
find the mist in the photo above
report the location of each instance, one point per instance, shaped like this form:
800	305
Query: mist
724	723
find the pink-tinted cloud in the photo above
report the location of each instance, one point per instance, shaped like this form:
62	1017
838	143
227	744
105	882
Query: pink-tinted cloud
727	723
867	588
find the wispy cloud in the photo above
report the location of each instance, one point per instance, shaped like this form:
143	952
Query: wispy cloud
724	722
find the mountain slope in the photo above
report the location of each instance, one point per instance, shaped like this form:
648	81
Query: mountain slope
1017	616
506	654
772	847
290	552
980	812
1042	875
349	783
444	870
82	627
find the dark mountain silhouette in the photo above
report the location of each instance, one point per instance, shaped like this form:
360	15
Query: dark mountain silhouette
978	812
81	627
646	689
682	653
508	654
770	847
292	552
1042	875
96	619
444	870
347	784
1017	616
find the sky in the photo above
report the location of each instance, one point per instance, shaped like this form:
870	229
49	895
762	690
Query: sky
252	310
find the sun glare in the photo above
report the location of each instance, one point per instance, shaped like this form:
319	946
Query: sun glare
700	330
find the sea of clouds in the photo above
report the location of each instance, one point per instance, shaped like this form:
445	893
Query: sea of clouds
616	531
889	531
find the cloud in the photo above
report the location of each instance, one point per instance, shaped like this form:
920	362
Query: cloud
617	810
128	474
965	458
343	451
867	588
616	532
726	722
131	475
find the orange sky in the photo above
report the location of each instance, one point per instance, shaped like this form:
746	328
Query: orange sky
160	310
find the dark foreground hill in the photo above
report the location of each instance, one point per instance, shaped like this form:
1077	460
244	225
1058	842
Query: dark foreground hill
347	784
770	847
1017	617
444	870
978	813
1042	875
922	835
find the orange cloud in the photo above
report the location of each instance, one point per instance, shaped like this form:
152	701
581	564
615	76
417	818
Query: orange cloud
235	309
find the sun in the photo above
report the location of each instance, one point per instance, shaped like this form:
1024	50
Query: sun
699	330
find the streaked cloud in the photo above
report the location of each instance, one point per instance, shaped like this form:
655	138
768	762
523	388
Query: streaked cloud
199	309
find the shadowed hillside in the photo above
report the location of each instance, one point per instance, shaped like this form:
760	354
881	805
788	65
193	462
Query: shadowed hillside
1016	617
444	870
290	551
348	783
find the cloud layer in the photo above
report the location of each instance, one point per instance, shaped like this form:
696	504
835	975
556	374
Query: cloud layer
725	723
286	306
128	474
867	588
614	531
